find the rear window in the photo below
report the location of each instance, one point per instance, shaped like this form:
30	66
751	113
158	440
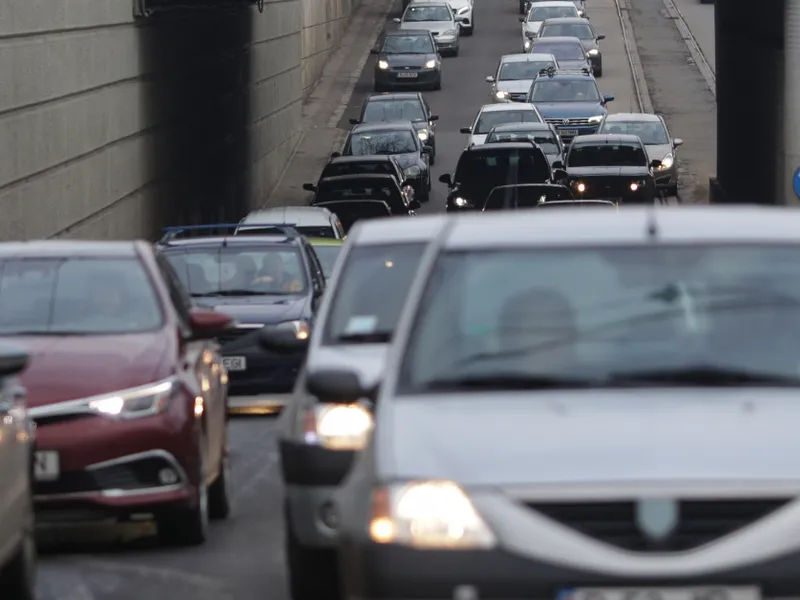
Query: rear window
489	119
607	155
504	167
561	50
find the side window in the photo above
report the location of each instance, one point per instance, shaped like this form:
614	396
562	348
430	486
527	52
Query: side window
181	300
315	266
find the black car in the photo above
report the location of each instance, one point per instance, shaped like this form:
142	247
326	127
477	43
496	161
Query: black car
526	195
544	135
399	139
401	106
578	28
352	211
611	167
483	167
578	204
259	279
365	187
408	58
361	165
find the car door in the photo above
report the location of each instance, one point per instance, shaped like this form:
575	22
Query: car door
15	466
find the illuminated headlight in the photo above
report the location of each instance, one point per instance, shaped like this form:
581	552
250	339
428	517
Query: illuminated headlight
301	329
463	10
382	64
579	186
637	185
596	119
422	134
412	171
448	33
501	95
593	52
135	403
431	64
527	44
667	162
581	12
338	426
461	201
428	515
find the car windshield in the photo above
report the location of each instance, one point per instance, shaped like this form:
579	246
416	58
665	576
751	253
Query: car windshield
393	110
327	256
570	90
371	291
489	119
382	142
670	314
322	231
416	14
561	50
239	270
524	196
546	140
606	155
77	296
516	71
576	30
542	13
408	44
650	132
486	170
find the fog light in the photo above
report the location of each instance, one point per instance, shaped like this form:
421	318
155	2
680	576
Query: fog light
634	187
328	515
167	477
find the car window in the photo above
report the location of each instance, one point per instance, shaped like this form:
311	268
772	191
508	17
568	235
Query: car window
650	132
507	167
564	90
327	257
516	71
402	141
561	50
607	155
542	13
408	44
417	14
91	296
544	139
578	30
393	110
178	294
489	119
603	313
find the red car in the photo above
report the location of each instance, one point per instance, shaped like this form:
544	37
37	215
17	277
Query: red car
125	385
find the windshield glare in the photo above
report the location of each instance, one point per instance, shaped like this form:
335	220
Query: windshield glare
572	90
89	296
415	14
489	119
379	111
562	51
546	141
607	155
371	291
649	132
516	71
543	13
577	30
527	313
408	44
382	142
239	271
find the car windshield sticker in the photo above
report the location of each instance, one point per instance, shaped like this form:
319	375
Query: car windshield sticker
361	324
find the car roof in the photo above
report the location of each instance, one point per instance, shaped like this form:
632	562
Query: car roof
650	117
571	76
554	3
557	39
606	138
408	32
72	248
566	21
318	241
507	107
374	232
628	226
366	158
509	58
290	215
389	96
496	146
379	176
430	3
523	126
382	126
230	240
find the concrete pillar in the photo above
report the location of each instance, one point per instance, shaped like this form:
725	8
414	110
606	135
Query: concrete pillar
791	102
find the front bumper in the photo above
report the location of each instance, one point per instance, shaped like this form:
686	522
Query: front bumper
393	77
666	178
614	189
447	44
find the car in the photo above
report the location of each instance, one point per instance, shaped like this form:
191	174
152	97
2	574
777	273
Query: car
376	164
463	10
580	5
402	106
436	17
383	188
482	168
319	440
260	279
572	102
515	74
491	115
526	195
399	139
307	220
407	58
579	28
327	251
660	145
611	167
543	135
17	520
569	52
500	352
540	12
125	388
354	211
578	204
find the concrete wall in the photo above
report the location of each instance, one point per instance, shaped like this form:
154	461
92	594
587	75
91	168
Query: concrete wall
111	127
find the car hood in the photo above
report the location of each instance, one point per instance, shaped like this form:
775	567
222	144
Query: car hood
435	26
479	138
515	86
612	436
267	310
408	60
607	171
366	360
65	368
657	151
531	26
569	109
407	160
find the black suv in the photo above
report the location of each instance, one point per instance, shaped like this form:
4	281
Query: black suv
482	168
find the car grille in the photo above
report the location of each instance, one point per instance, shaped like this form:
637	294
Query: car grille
233	335
700	522
518	97
614	185
568	122
407	69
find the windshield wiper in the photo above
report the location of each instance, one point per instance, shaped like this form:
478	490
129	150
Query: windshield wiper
508	381
375	337
236	293
704	376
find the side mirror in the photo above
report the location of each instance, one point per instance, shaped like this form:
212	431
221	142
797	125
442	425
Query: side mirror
608	98
355	122
335	154
558	164
466	130
600	37
207	324
427	150
282	340
559	174
13	360
414	204
522	19
446	179
309	187
318	290
396	20
433	118
655	164
374	50
460	20
677	142
337	386
490	79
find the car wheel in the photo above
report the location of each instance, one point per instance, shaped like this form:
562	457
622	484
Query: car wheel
598	71
313	572
18	577
455	52
220	497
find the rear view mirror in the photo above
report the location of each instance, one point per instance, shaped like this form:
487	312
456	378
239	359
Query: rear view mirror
282	340
309	187
559	174
655	164
677	142
466	130
414	204
446	179
13	360
433	118
355	122
335	154
490	79
337	386
460	20
427	150
600	37
558	164
395	20
608	98
207	324
522	19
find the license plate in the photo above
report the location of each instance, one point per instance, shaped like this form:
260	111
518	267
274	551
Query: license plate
46	466
407	75
234	363
568	132
696	593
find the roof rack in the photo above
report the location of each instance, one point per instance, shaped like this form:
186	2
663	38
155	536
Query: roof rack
550	71
225	230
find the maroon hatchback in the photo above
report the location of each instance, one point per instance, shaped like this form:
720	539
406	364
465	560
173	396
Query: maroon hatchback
125	385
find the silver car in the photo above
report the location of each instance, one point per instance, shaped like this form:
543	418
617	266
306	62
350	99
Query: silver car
586	404
318	439
658	142
515	74
539	13
436	17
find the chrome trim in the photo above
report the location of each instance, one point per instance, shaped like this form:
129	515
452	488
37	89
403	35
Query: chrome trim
249	325
116	493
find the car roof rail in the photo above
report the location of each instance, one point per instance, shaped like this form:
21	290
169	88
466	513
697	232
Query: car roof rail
225	230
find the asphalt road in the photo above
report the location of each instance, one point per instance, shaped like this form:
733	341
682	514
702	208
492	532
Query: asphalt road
700	19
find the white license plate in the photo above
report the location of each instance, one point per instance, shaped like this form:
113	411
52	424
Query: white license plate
568	132
698	593
234	363
407	75
46	466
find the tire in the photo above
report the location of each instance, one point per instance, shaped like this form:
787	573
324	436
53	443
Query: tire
313	573
18	576
468	32
188	526
455	52
598	72
220	499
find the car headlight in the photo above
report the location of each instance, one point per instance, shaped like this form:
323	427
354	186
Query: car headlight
596	119
382	64
431	64
667	162
422	134
301	328
459	201
579	186
448	33
593	52
136	402
501	94
527	44
430	515
338	426
463	10
412	171
581	13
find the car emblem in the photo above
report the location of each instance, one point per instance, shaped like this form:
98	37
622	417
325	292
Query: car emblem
657	519
565	121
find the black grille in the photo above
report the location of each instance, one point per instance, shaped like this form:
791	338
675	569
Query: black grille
128	476
518	97
45	420
700	521
232	335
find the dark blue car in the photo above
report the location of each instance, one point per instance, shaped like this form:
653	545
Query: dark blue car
262	278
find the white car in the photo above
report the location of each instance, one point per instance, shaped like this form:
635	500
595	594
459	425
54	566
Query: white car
515	74
539	13
491	115
464	15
